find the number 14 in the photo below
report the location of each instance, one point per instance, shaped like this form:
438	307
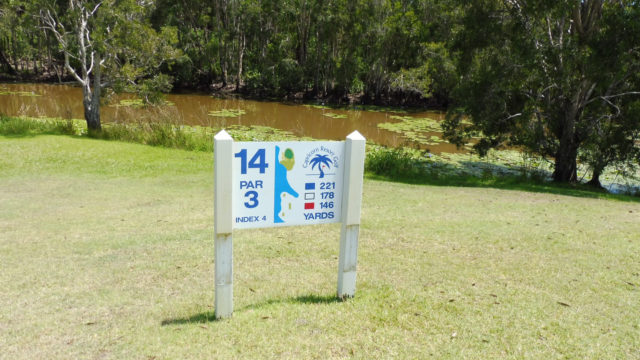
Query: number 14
258	161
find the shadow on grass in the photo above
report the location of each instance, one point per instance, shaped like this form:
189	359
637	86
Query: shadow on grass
316	299
205	317
210	316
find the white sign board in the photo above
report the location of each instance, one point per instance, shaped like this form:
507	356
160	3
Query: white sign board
287	183
266	184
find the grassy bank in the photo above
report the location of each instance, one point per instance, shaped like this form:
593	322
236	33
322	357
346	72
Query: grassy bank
506	169
107	252
162	134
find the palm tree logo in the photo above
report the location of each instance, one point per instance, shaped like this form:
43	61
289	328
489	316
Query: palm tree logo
321	161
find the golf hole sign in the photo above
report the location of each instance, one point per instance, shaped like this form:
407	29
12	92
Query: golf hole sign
268	184
287	183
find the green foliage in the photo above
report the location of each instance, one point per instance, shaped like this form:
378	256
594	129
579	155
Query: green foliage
22	43
162	134
12	126
417	80
277	48
152	89
145	50
283	78
556	78
110	44
404	164
385	49
559	79
396	163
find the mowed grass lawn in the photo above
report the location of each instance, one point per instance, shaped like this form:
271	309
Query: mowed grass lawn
106	252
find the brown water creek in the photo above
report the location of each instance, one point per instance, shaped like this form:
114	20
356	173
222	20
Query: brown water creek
64	101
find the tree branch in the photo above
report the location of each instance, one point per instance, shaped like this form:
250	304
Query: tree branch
95	9
52	24
621	94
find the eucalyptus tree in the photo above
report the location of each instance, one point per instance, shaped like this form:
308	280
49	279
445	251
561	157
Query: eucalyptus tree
549	76
109	44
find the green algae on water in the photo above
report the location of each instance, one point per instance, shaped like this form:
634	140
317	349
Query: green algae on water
415	129
377	108
314	106
335	116
261	133
369	108
129	103
227	113
18	93
136	103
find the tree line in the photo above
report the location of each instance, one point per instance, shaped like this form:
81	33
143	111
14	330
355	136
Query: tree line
384	50
557	78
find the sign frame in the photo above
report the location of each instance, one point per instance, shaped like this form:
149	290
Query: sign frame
353	176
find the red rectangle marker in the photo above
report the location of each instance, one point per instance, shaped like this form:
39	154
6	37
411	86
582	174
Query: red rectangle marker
309	206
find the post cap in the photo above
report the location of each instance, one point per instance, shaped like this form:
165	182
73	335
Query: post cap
355	136
223	135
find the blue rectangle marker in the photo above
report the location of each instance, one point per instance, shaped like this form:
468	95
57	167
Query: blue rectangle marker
310	186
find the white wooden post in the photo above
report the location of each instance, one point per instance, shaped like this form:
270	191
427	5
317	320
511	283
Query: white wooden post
223	224
351	204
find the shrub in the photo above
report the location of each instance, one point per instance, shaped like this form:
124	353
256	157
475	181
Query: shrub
394	163
13	126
